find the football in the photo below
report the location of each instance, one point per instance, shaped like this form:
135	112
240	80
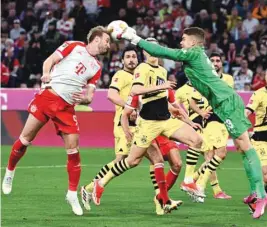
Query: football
116	28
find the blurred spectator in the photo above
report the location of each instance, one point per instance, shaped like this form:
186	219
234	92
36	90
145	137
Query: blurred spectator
65	26
28	20
217	25
260	11
202	20
233	19
4	75
225	41
213	47
235	65
247	87
48	19
175	10
183	21
11	17
252	56
105	81
237	30
242	42
15	32
231	53
250	24
165	9
179	74
174	38
12	64
19	43
78	12
131	13
242	76
258	79
243	8
4	26
141	28
263	56
226	6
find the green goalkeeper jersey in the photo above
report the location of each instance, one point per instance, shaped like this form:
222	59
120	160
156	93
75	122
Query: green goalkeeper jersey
198	68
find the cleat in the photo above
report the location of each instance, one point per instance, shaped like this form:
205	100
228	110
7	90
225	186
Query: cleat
72	199
260	207
159	206
171	205
222	195
86	198
7	182
197	199
190	188
97	192
250	199
252	207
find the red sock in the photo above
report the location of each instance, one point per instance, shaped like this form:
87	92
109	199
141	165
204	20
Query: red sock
171	178
18	150
74	170
160	178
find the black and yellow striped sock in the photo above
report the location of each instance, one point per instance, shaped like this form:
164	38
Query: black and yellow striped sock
191	162
153	179
103	171
199	171
212	165
119	168
215	186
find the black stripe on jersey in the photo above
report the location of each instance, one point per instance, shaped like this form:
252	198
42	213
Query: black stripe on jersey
156	110
138	83
196	99
114	88
214	117
252	111
149	95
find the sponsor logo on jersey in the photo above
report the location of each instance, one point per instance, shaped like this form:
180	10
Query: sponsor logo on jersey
33	108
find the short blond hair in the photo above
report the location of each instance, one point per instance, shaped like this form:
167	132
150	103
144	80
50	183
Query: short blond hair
96	31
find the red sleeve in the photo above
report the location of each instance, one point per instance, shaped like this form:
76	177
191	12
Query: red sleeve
133	102
66	48
171	97
16	62
95	78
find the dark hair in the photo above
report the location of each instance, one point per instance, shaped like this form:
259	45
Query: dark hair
197	32
96	31
216	54
129	48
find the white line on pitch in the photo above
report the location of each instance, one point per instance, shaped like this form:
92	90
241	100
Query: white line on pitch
91	165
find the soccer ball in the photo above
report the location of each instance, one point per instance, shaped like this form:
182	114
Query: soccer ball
116	28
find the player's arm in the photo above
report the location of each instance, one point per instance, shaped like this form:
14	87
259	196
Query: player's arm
203	113
164	52
47	66
117	83
253	104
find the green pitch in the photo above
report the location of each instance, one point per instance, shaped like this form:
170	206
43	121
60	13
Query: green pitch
38	195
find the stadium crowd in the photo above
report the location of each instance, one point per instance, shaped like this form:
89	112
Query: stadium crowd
32	29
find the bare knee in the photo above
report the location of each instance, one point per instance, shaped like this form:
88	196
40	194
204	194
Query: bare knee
176	166
196	142
119	158
221	152
133	162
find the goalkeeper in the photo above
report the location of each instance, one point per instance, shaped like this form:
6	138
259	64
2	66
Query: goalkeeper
223	99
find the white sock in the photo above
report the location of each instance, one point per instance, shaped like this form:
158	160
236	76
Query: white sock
10	173
72	193
188	180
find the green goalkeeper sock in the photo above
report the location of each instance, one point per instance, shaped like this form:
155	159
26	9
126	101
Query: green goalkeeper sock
249	174
256	172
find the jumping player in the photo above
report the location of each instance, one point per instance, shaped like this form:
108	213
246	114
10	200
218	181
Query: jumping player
223	99
70	68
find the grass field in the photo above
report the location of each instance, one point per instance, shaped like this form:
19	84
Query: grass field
41	181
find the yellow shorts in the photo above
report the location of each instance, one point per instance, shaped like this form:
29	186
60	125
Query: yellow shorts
122	146
148	130
261	149
215	135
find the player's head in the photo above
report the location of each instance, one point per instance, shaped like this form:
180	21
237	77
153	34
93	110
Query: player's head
100	39
129	58
216	60
193	36
148	58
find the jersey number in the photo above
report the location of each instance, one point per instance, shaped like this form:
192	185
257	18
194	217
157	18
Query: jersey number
80	69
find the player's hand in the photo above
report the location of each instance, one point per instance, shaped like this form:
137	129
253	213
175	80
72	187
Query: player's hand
168	85
78	97
130	35
46	78
206	114
197	126
133	116
128	135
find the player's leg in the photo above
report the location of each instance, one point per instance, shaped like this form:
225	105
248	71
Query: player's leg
187	135
74	170
30	130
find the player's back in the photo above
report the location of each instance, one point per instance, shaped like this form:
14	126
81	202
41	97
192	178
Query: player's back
202	75
76	69
154	104
122	82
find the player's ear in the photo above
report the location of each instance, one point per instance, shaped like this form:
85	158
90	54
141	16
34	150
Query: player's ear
122	61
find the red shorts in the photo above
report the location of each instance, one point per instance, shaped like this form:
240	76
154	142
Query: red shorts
165	144
47	105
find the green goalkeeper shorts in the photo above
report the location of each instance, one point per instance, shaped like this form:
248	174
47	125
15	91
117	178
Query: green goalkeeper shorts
232	112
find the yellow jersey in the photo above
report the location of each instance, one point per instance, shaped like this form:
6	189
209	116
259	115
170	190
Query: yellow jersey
122	82
258	104
154	104
183	95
